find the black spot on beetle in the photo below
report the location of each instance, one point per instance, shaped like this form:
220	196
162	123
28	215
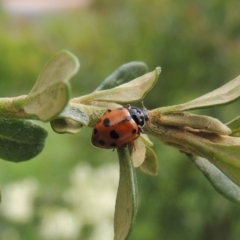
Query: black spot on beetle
95	131
134	131
114	134
101	142
106	122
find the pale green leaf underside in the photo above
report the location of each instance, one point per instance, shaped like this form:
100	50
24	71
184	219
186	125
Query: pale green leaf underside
199	122
126	202
50	94
132	91
138	152
222	95
48	103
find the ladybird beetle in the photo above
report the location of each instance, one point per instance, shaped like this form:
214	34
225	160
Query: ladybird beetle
120	126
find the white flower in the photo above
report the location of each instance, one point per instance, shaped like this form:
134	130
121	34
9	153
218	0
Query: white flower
59	224
18	199
92	195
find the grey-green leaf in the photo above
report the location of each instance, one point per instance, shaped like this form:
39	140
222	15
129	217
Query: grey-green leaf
50	94
219	180
64	125
222	151
70	120
126	202
20	140
123	74
226	158
222	95
132	91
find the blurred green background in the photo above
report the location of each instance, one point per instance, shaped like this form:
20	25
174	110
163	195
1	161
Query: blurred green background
68	191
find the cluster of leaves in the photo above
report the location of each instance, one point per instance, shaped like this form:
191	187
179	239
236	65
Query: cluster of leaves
212	146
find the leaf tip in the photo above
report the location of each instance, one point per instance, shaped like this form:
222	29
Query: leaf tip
74	58
158	70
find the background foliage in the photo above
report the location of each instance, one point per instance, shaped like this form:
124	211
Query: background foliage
197	44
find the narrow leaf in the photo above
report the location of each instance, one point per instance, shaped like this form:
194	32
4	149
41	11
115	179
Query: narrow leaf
150	164
20	140
126	202
224	95
226	158
219	180
50	94
222	151
123	74
132	91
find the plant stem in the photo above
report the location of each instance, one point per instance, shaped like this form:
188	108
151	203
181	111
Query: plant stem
12	108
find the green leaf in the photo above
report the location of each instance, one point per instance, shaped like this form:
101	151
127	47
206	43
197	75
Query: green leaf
132	91
124	74
50	94
234	125
222	151
219	180
226	158
224	95
20	140
150	164
70	120
126	202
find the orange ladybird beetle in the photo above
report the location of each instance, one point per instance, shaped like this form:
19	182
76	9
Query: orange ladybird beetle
120	126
